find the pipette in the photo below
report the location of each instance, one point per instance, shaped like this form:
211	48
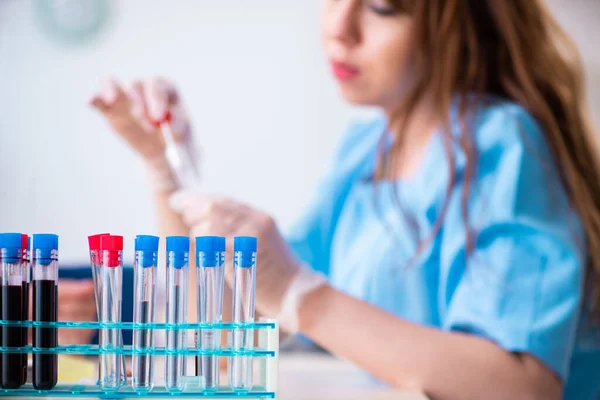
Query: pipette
178	156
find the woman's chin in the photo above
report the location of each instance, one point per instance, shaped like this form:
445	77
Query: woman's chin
358	97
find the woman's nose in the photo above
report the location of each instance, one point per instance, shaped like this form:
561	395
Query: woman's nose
341	21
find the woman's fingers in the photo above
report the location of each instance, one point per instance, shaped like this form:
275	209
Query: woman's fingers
106	97
110	99
198	211
159	96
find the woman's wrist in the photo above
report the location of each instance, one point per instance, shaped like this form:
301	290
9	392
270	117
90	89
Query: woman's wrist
313	307
159	175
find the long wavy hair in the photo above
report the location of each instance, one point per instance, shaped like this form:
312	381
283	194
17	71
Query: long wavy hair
467	50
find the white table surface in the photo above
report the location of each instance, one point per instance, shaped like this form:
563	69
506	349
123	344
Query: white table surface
315	376
304	376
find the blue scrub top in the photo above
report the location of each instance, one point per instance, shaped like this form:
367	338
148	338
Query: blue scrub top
521	287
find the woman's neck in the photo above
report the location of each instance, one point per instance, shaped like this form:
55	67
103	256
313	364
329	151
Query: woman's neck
418	131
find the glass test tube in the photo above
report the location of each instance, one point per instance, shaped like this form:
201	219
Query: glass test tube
45	308
11	261
96	264
179	156
244	282
144	297
210	270
111	275
178	248
26	279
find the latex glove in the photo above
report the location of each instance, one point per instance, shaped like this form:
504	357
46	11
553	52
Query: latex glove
134	111
281	280
76	303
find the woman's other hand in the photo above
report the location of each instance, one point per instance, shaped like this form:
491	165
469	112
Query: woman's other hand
135	111
76	303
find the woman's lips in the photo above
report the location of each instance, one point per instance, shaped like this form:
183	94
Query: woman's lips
343	71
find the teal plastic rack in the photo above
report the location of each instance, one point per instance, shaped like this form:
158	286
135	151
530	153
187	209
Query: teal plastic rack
126	392
265	355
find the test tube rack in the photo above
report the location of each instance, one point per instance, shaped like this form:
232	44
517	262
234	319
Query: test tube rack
265	356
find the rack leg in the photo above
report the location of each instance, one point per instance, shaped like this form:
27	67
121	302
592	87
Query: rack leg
269	340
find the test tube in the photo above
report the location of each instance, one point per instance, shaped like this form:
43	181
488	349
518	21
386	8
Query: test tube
11	261
178	249
178	156
210	270
244	283
96	264
144	292
45	308
111	275
26	278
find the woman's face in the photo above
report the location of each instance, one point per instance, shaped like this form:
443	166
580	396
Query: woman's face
368	45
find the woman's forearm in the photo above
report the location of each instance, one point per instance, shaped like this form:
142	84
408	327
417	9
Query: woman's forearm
409	356
171	224
169	221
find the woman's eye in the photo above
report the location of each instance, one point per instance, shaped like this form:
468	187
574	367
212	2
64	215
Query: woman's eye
382	7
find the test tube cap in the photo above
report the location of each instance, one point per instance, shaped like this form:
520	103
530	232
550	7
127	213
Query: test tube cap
178	249
146	243
10	243
24	246
245	243
178	243
210	251
94	241
45	241
111	242
210	243
10	240
45	247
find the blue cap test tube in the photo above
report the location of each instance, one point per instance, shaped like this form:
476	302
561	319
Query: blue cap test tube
178	250
45	308
144	292
11	262
244	284
210	270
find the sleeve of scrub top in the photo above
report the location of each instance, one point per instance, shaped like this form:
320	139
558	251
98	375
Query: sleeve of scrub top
311	235
522	284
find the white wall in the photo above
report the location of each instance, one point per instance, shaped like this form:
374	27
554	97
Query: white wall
265	111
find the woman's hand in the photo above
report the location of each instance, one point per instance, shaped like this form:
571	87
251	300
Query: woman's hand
135	111
276	266
76	303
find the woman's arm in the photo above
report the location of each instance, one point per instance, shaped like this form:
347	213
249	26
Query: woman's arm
444	365
171	224
130	110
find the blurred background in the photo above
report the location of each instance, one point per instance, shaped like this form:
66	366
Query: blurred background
266	113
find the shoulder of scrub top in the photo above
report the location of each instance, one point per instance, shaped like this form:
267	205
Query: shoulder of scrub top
502	124
358	145
516	172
